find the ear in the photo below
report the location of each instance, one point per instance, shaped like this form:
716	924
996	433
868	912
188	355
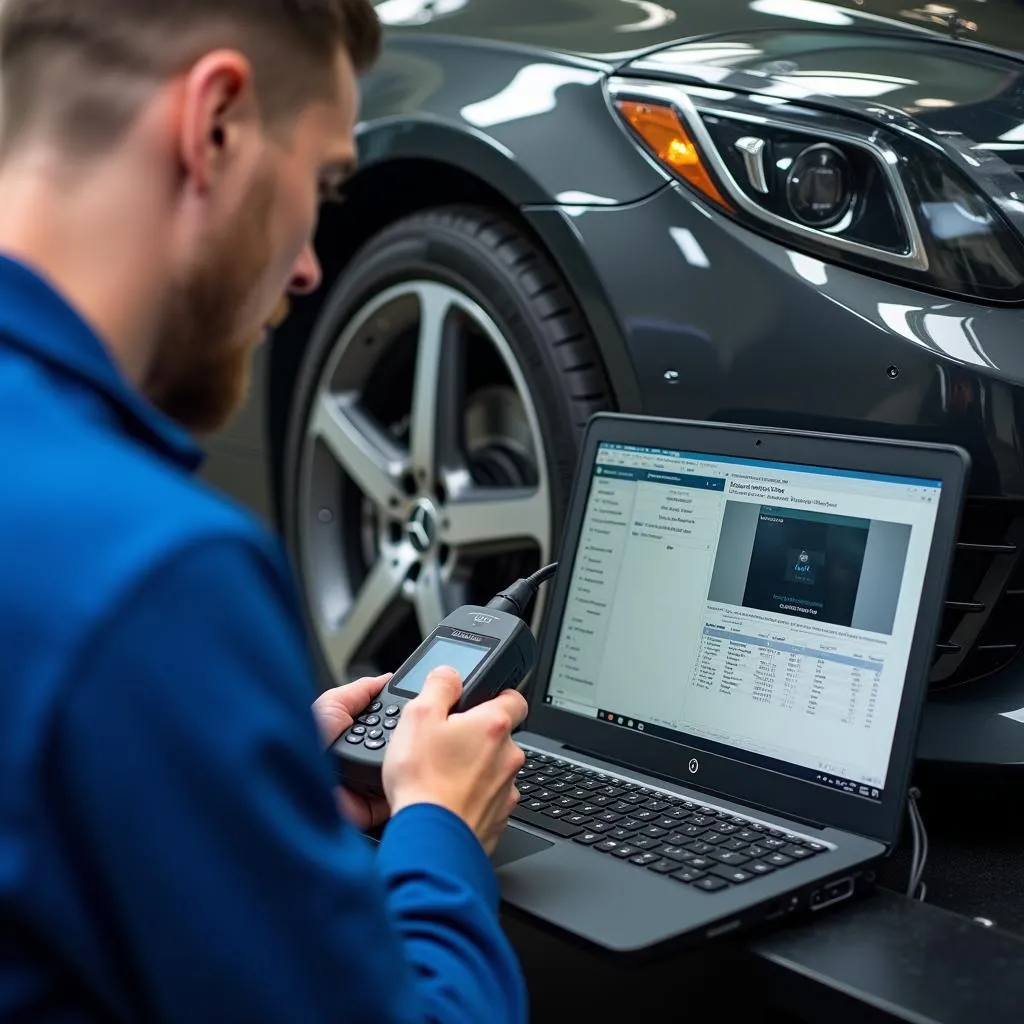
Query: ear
218	114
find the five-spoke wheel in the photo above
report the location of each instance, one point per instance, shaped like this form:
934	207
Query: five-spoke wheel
433	434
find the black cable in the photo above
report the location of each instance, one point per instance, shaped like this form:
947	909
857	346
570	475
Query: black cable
516	599
543	574
916	889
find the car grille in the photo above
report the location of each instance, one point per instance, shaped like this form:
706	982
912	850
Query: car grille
982	628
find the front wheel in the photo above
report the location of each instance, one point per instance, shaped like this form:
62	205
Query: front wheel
434	433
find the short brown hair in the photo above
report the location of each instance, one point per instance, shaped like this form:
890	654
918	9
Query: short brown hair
79	70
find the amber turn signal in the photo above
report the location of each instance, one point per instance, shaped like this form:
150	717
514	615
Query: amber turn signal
659	126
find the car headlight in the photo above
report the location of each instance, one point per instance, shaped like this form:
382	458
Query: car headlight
844	190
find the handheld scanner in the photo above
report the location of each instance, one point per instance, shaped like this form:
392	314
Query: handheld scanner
491	650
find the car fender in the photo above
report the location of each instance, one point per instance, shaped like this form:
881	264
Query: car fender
422	137
537	126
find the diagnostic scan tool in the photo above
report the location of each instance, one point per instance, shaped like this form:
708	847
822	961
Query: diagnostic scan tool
492	649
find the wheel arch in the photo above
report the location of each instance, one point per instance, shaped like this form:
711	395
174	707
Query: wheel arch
396	182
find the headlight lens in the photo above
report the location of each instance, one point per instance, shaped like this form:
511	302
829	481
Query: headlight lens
820	188
838	188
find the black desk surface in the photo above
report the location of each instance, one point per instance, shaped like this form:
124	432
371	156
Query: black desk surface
885	958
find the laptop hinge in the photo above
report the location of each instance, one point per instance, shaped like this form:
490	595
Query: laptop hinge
795	818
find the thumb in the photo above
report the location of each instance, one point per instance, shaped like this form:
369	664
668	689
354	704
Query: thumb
442	689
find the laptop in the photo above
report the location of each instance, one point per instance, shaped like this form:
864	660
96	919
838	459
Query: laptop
732	669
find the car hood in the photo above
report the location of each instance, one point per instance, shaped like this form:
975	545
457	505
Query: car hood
610	29
954	67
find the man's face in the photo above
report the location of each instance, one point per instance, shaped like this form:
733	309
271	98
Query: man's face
222	306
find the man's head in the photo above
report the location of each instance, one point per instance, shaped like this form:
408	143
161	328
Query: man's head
236	116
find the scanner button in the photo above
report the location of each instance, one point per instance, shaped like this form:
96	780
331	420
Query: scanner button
374	744
392	710
370	720
354	737
375	734
374	707
390	723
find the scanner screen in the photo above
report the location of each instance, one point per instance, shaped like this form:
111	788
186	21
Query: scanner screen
460	656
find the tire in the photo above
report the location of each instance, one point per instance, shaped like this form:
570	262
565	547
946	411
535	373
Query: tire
498	281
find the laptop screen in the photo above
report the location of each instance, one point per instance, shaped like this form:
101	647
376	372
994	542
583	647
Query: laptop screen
763	611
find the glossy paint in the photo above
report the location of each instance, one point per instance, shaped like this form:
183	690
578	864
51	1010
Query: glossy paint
610	28
694	314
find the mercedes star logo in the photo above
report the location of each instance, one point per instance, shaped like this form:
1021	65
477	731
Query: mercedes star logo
421	527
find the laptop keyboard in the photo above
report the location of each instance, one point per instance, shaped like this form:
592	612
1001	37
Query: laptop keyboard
690	842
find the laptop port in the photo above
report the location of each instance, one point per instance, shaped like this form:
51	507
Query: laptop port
724	929
780	908
834	892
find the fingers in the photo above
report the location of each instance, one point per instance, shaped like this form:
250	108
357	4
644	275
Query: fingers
364	812
377	683
368	687
352	697
515	705
500	821
512	801
440	692
510	706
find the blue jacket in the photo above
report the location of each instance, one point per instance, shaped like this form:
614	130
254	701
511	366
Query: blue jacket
170	848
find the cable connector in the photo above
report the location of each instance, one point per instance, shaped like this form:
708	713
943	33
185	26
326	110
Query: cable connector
515	599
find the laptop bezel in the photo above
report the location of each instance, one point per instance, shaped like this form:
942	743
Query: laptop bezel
733	779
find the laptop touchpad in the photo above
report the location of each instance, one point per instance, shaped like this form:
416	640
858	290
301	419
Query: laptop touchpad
515	844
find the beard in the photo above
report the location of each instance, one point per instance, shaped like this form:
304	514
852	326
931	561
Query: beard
199	376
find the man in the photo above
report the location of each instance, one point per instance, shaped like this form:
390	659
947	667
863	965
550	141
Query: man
171	848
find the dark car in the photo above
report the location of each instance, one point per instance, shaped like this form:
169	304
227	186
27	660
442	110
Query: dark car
780	212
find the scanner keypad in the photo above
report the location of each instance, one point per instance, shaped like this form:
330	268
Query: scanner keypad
370	730
704	847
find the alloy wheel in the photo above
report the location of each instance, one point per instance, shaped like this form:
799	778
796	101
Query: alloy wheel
423	482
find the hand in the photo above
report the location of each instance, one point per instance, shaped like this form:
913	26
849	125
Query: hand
464	762
335	710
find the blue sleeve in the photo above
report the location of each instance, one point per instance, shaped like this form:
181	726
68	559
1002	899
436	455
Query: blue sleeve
189	769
